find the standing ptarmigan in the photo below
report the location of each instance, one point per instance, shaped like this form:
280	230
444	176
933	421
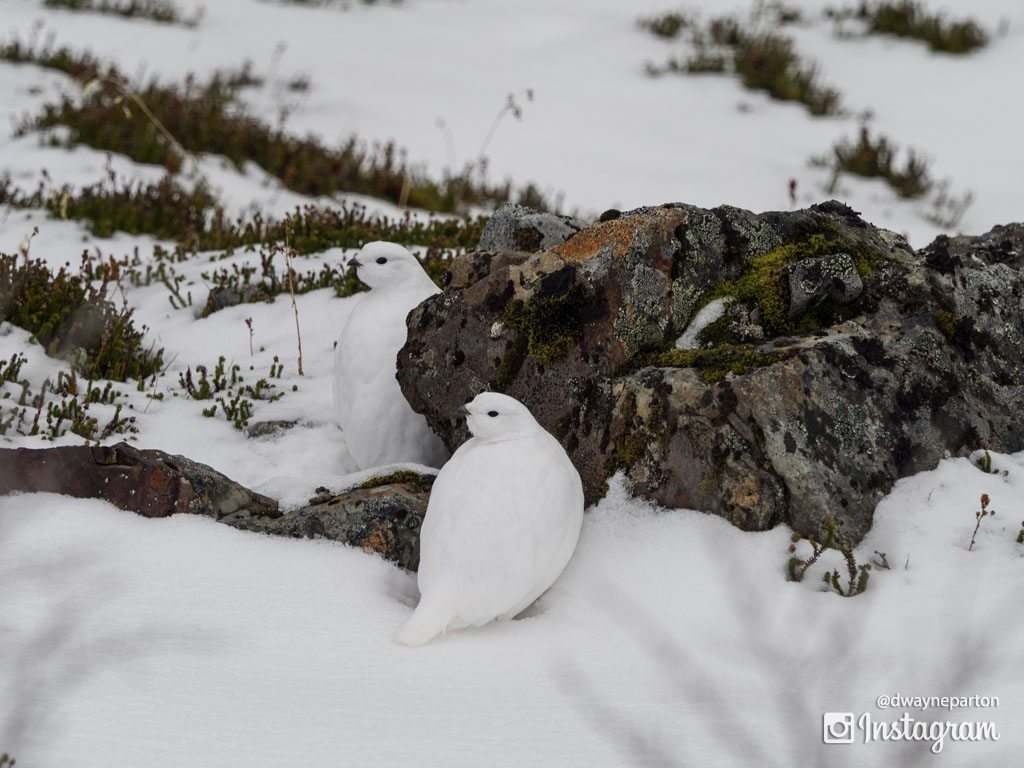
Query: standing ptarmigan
379	425
502	522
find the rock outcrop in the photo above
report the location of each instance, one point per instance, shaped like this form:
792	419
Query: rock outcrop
148	482
383	515
844	361
518	228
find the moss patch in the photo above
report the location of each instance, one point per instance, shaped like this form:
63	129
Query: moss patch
629	451
402	476
551	323
715	363
764	283
948	322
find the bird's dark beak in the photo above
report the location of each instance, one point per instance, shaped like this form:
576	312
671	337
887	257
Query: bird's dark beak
354	262
462	410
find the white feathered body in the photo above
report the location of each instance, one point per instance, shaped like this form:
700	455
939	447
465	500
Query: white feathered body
379	424
501	525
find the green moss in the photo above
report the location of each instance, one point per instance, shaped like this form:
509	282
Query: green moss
715	363
719	332
551	323
947	322
631	449
403	476
764	283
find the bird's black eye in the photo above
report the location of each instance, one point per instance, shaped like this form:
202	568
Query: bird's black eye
492	414
382	260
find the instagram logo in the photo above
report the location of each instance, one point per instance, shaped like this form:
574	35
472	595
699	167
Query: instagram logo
837	727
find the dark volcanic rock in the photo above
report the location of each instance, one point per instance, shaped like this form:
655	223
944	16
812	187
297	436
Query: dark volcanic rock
381	516
844	362
150	483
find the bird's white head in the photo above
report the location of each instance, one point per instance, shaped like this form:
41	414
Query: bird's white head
383	265
493	416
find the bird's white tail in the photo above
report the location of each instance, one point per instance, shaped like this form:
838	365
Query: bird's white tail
422	627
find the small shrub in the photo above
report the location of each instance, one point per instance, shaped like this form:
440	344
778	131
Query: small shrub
762	59
767	62
194	218
10	370
73	319
910	19
947	208
227	387
857	574
208	118
667	25
162	11
42	415
980	515
873	157
164	209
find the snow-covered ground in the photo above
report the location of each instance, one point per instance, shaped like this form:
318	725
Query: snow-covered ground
598	130
672	638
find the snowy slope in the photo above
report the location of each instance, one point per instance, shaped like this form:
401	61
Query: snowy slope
598	129
672	638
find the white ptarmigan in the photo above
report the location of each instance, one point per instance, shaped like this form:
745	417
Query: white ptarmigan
378	424
502	522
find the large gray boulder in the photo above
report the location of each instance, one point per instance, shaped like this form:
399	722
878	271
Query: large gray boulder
844	361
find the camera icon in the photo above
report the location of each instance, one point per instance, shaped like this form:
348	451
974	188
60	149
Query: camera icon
837	727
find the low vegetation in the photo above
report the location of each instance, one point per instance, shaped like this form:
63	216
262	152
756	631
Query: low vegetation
876	157
980	515
179	120
165	209
73	320
162	11
911	19
192	217
857	574
61	407
225	386
760	57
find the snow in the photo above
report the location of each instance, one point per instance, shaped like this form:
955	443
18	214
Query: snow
708	314
672	638
132	641
598	130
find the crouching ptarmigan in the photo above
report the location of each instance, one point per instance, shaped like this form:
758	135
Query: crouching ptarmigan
502	522
379	425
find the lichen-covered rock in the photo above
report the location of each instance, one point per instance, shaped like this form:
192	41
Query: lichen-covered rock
843	362
813	281
515	227
382	516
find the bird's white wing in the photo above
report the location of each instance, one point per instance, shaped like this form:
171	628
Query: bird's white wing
341	384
